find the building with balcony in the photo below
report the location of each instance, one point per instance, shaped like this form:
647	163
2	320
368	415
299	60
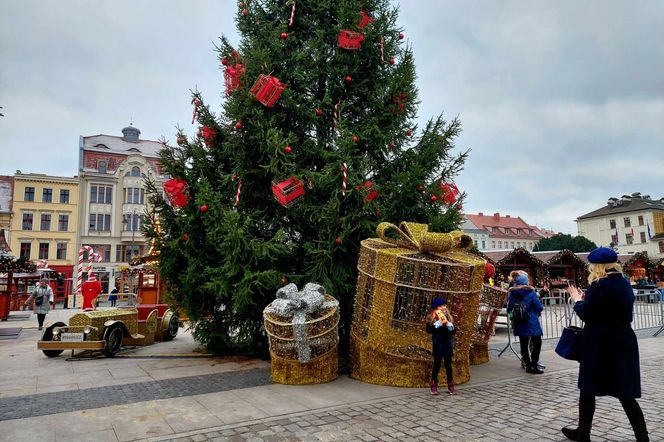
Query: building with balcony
632	223
113	171
506	232
44	221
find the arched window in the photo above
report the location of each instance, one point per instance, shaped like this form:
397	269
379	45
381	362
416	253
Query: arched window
135	171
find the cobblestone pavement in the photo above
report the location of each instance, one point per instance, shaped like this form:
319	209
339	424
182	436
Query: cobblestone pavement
59	402
533	408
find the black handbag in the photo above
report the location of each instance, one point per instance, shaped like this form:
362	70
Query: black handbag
569	345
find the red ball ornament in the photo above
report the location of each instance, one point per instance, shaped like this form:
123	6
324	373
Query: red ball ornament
355	138
239	125
348	79
392	145
403	95
241	4
339	240
288	149
434	198
489	270
224	61
284	36
409	132
185	237
283	280
420	188
245	12
401	36
319	112
391	60
204	208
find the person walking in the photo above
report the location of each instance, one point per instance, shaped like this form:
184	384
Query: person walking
42	301
441	328
609	364
113	297
525	307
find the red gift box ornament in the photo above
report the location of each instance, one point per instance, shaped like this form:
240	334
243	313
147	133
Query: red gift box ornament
287	191
366	19
450	192
350	39
232	76
175	190
267	89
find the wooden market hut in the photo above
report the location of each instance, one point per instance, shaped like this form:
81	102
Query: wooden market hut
638	266
658	272
522	259
565	266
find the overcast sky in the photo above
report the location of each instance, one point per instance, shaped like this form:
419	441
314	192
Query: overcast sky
562	102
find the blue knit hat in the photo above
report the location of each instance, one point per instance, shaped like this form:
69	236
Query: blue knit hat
602	255
437	302
521	279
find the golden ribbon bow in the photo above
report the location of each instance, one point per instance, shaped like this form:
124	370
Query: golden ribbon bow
417	236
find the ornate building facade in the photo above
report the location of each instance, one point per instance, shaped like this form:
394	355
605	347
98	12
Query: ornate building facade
506	232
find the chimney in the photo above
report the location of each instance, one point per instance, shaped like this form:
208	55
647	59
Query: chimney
480	214
612	201
507	216
636	195
496	216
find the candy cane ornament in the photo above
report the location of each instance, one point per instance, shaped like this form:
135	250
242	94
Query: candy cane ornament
292	14
92	257
382	49
237	194
196	102
344	169
79	270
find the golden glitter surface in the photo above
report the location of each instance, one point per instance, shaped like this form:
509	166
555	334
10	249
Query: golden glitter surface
97	318
399	274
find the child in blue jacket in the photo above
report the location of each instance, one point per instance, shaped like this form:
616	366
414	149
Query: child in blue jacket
529	330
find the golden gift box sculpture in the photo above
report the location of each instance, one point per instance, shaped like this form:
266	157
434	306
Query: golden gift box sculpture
399	274
302	328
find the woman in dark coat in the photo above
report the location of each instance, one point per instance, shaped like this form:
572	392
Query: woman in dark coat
529	330
610	352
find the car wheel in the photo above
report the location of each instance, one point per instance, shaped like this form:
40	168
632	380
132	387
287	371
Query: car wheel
48	336
172	329
113	340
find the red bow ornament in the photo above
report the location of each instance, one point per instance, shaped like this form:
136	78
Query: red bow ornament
450	192
175	190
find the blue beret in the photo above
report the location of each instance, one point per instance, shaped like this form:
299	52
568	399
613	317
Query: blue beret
437	302
602	255
521	279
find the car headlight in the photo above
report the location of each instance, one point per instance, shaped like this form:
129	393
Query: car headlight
56	331
87	329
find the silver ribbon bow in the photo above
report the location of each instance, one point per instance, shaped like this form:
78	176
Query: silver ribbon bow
291	303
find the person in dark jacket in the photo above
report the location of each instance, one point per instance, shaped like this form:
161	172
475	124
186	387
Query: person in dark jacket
441	328
529	331
609	364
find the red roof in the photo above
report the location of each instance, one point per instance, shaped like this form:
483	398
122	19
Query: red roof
505	226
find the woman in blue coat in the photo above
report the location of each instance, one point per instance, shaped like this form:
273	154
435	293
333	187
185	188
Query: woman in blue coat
610	352
529	330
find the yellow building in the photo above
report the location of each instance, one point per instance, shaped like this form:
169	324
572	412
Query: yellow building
44	221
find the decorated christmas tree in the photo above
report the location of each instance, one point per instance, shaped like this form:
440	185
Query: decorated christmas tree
317	142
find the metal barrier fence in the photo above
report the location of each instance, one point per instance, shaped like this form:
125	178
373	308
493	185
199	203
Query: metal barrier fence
558	313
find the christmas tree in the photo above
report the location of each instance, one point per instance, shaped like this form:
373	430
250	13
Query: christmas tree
316	144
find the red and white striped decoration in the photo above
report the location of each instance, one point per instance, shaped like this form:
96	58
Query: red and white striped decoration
196	102
382	49
237	194
292	15
92	257
79	271
335	115
344	169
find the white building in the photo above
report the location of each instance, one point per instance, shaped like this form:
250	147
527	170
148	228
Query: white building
112	172
633	223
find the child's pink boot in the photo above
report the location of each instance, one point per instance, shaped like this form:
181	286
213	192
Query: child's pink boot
451	389
434	388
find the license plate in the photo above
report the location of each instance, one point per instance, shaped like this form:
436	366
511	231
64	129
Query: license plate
71	337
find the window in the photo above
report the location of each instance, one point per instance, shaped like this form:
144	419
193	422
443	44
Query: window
100	222
614	240
483	245
500	244
47	195
63	223
640	220
43	250
518	244
45	221
627	222
612	223
104	250
493	244
135	171
629	239
134	195
64	196
61	250
512	244
29	194
101	166
643	236
25	249
129	252
101	194
27	221
132	222
518	231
